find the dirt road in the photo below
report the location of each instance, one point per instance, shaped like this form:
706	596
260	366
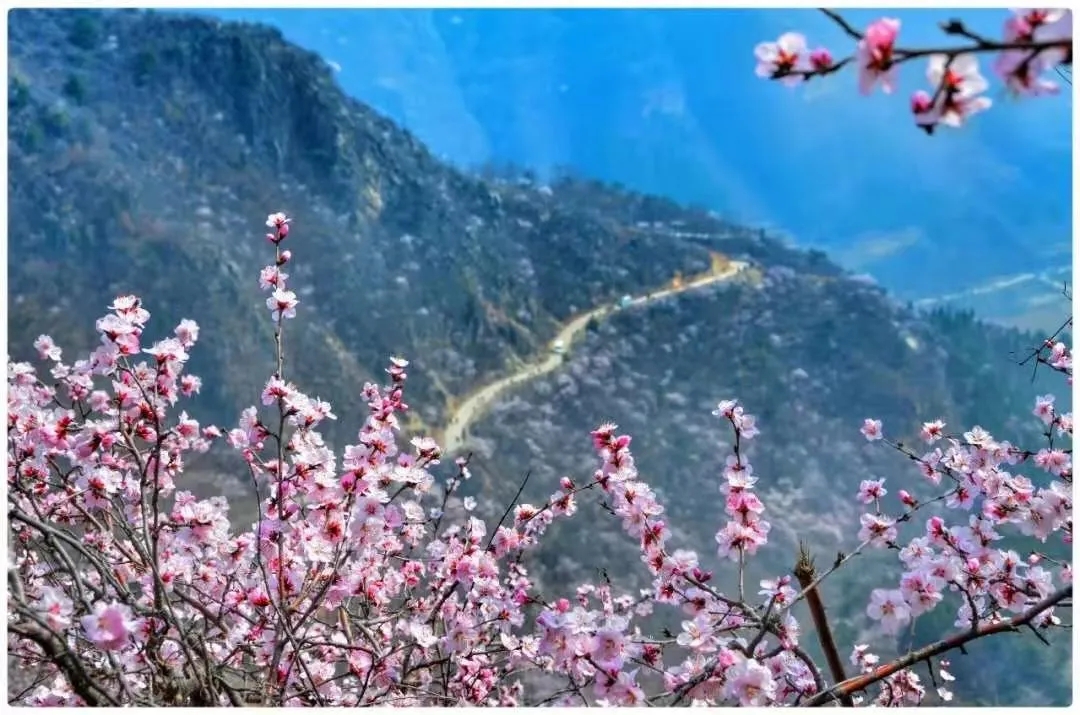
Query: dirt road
476	404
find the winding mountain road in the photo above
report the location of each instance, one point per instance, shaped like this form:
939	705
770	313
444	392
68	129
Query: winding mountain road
476	403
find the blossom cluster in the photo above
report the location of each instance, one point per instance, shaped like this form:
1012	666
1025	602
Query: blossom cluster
353	587
1034	42
982	482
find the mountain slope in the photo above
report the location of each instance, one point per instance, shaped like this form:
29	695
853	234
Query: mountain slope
145	147
648	98
174	144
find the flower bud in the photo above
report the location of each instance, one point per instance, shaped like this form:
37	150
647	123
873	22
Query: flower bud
821	59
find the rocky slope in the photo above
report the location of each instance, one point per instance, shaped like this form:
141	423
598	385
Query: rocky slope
145	148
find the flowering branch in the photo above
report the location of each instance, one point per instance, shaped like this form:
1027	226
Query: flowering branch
349	589
1034	43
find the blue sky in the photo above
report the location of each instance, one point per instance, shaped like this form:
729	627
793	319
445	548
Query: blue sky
667	102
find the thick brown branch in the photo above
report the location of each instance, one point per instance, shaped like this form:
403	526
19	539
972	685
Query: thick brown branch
58	652
805	572
862	682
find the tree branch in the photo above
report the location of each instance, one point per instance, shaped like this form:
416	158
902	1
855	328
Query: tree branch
804	572
58	652
958	640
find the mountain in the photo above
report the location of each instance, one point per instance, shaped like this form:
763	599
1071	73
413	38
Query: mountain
666	102
145	147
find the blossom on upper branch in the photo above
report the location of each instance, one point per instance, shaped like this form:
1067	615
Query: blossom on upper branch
874	56
782	59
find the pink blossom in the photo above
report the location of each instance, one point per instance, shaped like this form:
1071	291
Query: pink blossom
875	56
783	58
280	223
958	83
890	608
733	412
609	647
779	588
622	689
283	304
1044	409
932	431
863	658
1041	25
921	591
110	626
751	683
56	607
870	490
169	350
190	385
272	277
878	529
1023	74
187	332
275	390
1054	461
871	429
978	437
130	308
726	408
927	114
957	75
821	59
47	349
695	633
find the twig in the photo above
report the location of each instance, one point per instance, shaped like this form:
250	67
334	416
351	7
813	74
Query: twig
509	508
844	24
